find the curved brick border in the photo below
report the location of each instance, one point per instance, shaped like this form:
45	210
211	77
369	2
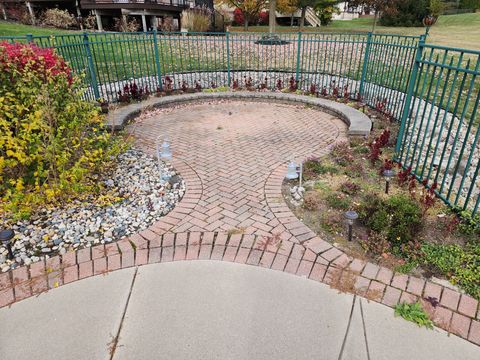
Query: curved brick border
291	247
317	260
457	313
358	122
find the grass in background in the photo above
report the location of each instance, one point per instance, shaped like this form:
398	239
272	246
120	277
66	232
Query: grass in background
8	28
461	30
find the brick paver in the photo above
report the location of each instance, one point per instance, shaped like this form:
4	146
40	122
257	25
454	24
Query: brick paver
231	150
233	161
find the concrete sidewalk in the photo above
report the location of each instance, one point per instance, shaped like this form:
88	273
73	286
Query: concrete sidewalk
212	310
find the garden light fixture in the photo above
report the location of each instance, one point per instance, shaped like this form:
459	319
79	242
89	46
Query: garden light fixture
5	238
428	21
388	175
166	153
351	216
292	171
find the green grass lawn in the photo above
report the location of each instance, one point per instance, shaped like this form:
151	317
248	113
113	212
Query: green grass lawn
8	28
461	30
451	30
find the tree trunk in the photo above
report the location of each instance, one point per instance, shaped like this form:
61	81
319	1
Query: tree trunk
375	21
245	24
291	20
272	16
302	17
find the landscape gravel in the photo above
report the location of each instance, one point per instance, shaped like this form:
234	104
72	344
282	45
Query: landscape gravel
138	192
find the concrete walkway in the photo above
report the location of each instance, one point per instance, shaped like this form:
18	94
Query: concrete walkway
212	310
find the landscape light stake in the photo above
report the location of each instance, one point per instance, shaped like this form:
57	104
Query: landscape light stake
301	175
351	216
6	237
388	175
291	170
428	21
166	155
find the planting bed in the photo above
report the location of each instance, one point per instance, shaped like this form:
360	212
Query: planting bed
131	197
408	230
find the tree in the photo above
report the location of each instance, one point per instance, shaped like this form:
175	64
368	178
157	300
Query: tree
405	13
287	7
250	8
304	4
272	18
319	5
376	5
325	12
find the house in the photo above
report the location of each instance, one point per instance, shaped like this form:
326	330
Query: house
149	13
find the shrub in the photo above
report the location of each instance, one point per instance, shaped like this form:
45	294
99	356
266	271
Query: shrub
126	25
132	92
314	167
461	266
18	12
90	22
338	201
405	13
58	18
50	139
399	217
167	24
469	224
349	188
325	13
196	19
311	200
342	153
219	22
376	243
470	4
376	146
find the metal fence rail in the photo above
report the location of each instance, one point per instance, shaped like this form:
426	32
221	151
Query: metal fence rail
432	90
354	65
439	135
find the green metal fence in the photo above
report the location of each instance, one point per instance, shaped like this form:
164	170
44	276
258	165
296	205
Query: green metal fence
432	90
374	67
439	135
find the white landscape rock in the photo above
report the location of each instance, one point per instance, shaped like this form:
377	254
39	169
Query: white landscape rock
140	196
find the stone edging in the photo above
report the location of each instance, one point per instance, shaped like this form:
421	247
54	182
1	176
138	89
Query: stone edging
358	122
292	247
320	262
456	312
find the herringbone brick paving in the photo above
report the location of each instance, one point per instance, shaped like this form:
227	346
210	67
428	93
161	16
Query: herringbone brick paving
233	146
233	159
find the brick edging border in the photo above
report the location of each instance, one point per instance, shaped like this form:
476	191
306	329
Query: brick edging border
316	262
358	122
456	312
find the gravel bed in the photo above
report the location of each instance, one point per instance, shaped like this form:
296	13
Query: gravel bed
137	196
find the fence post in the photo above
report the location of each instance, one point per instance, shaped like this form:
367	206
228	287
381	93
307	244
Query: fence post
30	38
410	94
91	67
157	59
227	35
297	72
365	65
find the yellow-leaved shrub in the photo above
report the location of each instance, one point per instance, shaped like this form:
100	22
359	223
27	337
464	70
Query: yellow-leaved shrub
52	145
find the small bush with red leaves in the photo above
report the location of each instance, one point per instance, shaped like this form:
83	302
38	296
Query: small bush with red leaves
50	139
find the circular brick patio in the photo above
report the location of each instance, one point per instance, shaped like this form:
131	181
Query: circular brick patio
233	146
233	157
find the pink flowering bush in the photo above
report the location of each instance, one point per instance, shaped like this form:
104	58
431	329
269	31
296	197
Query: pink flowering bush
51	143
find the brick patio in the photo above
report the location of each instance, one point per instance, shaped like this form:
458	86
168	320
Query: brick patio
233	160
